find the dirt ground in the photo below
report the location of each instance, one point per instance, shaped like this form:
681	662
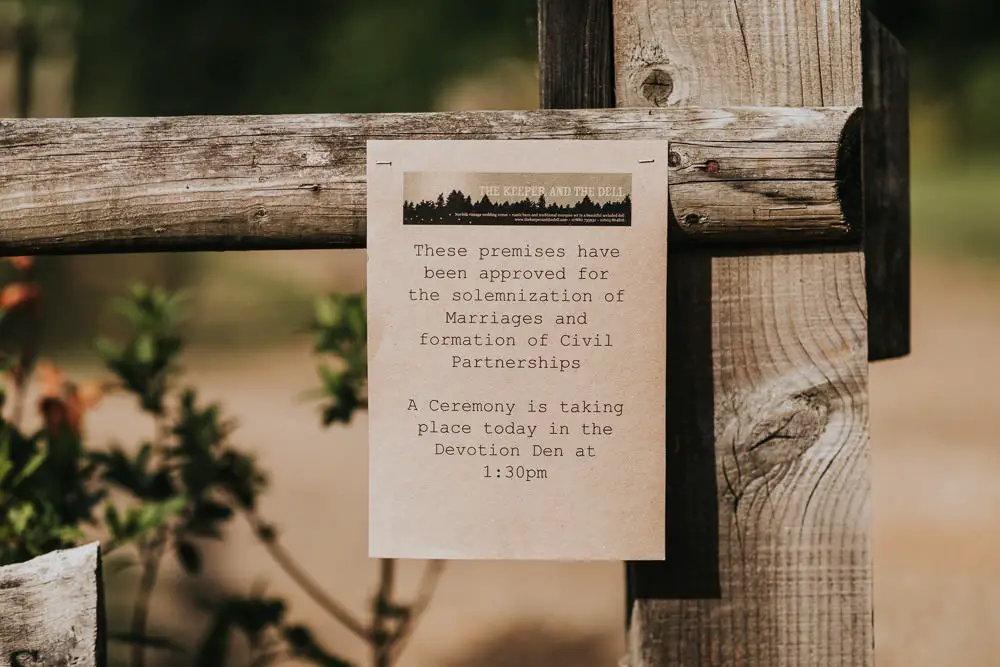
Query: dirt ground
936	417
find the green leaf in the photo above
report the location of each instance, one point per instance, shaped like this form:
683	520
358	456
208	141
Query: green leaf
206	518
301	641
108	350
130	309
239	476
357	322
19	516
145	349
327	311
112	520
189	557
68	535
212	511
173	506
175	305
153	515
142	458
254	615
6	466
30	468
214	646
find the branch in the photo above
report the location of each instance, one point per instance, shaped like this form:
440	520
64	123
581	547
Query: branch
303	580
425	593
140	611
381	637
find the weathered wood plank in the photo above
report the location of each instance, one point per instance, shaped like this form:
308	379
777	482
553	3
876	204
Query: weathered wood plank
216	183
768	523
887	191
737	53
583	28
51	610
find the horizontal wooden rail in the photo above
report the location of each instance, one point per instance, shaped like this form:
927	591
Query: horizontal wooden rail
256	182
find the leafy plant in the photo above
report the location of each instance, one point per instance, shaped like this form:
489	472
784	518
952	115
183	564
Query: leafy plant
340	328
163	497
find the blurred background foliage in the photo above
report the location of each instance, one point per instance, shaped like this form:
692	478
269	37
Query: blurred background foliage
955	80
136	57
308	56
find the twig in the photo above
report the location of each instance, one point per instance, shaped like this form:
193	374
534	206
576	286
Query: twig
140	612
303	580
381	637
263	654
272	658
17	413
425	593
161	431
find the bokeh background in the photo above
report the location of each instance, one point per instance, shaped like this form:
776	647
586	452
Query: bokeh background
936	415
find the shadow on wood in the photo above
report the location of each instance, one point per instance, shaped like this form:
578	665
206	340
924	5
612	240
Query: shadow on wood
691	569
887	191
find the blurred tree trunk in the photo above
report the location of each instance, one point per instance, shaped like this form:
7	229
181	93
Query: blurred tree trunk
26	39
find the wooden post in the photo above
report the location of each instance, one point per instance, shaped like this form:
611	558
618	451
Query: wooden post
575	54
52	610
768	459
887	191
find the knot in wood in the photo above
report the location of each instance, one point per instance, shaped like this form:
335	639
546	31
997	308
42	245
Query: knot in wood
16	658
769	435
657	87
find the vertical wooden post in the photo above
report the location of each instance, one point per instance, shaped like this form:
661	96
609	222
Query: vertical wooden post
768	458
887	191
768	516
576	64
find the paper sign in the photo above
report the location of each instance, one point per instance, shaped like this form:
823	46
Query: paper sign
517	349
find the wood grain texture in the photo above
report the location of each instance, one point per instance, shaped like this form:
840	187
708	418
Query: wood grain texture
581	27
887	191
51	610
768	518
713	53
237	183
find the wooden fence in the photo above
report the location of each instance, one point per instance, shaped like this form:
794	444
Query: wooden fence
788	272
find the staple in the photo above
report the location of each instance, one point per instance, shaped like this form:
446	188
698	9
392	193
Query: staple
384	162
649	161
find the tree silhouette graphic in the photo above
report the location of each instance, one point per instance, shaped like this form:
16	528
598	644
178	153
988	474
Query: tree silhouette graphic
458	208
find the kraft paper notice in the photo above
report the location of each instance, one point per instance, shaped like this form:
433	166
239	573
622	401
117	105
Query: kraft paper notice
517	349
